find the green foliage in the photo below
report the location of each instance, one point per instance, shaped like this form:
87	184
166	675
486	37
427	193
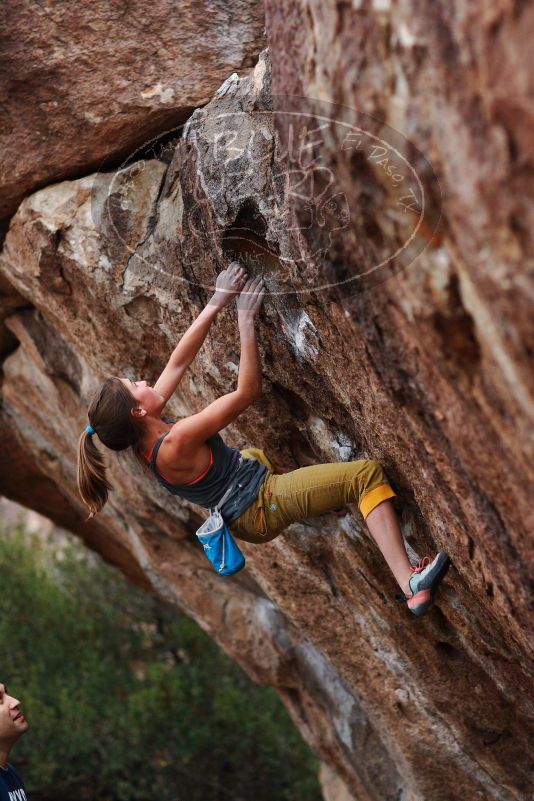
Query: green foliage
128	700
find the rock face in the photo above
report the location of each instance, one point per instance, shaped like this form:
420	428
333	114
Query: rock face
85	84
396	326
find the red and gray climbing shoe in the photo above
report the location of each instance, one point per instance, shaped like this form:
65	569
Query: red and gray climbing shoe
426	578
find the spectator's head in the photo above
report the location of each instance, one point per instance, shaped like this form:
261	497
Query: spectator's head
12	721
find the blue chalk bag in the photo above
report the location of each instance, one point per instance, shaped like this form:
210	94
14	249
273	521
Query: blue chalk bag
217	541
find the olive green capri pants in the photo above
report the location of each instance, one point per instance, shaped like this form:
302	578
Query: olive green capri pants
308	492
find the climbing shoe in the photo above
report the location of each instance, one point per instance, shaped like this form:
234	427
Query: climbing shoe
426	579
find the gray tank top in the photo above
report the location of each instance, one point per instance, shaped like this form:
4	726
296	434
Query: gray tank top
208	490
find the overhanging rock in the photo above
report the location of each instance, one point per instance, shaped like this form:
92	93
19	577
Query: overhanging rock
425	370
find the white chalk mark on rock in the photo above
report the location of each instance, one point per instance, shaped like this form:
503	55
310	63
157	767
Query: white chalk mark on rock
302	334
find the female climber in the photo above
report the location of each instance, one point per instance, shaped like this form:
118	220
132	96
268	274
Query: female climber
190	459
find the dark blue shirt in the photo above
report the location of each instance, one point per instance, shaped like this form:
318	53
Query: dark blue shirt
11	786
247	478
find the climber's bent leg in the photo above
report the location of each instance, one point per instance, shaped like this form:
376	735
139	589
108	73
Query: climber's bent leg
309	492
312	491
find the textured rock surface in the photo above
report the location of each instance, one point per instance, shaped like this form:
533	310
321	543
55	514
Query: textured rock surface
427	371
334	789
83	83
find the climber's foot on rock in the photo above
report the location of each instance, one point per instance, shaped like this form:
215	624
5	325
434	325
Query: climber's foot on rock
426	578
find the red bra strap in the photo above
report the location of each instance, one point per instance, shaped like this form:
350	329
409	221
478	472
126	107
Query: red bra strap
204	473
149	457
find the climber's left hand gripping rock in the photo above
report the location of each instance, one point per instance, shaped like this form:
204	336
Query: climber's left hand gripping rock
229	283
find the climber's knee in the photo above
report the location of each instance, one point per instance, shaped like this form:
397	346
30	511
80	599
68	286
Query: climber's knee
373	471
374	486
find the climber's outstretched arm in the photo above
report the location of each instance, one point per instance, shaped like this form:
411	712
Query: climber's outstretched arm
229	284
188	434
185	352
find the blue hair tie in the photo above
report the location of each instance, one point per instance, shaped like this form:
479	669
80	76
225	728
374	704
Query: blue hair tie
90	430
